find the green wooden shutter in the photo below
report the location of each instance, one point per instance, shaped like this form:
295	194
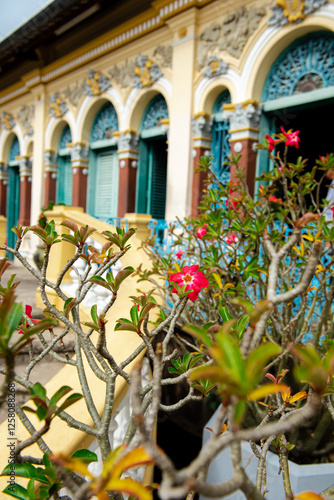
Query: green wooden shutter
106	187
64	181
13	204
141	188
158	179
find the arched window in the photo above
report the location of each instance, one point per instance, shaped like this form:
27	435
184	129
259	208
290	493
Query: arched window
64	178
220	138
103	175
298	93
152	168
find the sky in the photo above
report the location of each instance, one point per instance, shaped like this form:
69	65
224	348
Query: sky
14	13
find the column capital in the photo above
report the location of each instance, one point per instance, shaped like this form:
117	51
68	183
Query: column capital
79	155
50	161
25	165
3	172
244	120
202	129
128	142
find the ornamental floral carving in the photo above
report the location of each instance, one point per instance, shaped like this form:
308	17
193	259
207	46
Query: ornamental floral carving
244	116
293	11
215	67
163	56
74	92
123	75
146	72
7	120
96	83
58	106
25	116
229	36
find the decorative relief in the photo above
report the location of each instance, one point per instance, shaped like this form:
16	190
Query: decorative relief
96	83
123	75
293	11
50	161
215	67
229	36
105	124
25	165
79	153
128	140
26	116
202	125
7	120
3	172
163	56
243	117
156	114
74	93
146	72
58	106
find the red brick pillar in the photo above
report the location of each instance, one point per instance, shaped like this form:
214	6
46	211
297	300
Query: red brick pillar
244	129
128	163
25	190
50	176
79	157
3	188
202	127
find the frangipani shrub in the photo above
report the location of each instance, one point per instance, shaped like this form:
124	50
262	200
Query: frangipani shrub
250	280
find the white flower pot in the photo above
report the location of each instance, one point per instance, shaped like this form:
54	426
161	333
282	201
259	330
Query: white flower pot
315	477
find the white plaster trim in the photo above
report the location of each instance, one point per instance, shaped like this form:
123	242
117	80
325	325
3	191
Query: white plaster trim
231	75
52	125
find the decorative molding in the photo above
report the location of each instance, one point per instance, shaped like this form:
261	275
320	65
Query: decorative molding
230	36
146	72
123	75
215	67
244	121
202	130
155	114
3	172
74	92
25	165
96	83
128	144
293	11
79	155
163	56
50	161
25	116
105	124
58	107
7	120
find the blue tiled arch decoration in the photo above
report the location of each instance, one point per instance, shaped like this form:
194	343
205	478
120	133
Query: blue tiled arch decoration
14	149
155	112
65	138
105	123
307	64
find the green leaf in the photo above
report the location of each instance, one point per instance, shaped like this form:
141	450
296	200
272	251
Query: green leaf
85	456
69	402
38	390
224	314
122	275
31	489
26	470
65	389
19	492
14	317
134	314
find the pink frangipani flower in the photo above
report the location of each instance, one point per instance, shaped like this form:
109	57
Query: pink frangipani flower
293	138
179	254
271	143
201	231
192	278
231	238
28	311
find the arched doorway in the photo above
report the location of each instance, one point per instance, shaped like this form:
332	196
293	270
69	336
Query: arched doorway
152	168
221	149
64	177
13	192
103	173
299	94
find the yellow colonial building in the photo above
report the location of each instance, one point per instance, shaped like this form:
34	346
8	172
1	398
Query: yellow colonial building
109	105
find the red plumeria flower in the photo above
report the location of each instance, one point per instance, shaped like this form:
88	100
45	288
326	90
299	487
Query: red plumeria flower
231	238
271	143
274	199
180	253
201	231
28	311
332	209
192	278
293	138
